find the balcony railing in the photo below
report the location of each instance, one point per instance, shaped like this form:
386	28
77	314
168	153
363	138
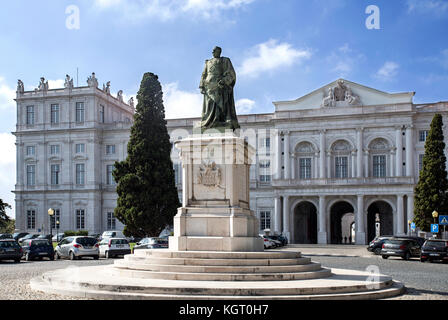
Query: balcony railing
343	181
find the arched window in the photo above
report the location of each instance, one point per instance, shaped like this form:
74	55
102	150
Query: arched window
305	157
341	152
380	152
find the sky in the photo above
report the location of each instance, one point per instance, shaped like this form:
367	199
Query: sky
281	50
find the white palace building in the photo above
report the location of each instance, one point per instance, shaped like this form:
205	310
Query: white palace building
337	165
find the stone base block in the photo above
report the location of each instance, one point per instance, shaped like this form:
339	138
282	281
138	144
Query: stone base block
360	238
322	238
226	244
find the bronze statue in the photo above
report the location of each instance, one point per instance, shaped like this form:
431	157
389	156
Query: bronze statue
217	83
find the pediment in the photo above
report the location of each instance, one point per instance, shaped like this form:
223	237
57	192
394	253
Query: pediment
343	93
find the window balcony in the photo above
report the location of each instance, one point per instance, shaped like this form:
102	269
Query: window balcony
344	181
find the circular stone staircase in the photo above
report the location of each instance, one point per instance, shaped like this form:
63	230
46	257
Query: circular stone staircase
165	274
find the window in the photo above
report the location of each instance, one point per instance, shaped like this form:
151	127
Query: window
110	149
31	219
420	161
54	149
111	221
31	175
265	171
265	220
79	112
341	167
30	150
423	134
80	219
80	148
56	217
55	169
30	115
177	173
101	114
305	168
80	174
109	176
54	114
379	166
266	146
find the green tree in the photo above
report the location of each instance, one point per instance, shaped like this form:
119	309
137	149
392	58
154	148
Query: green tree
4	219
430	192
147	195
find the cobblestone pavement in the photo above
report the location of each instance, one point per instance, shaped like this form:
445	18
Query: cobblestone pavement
424	281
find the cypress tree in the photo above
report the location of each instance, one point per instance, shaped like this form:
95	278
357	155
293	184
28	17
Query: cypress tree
430	192
4	219
147	195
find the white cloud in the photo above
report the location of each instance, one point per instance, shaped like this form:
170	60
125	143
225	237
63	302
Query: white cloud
344	60
7	95
135	10
56	84
7	169
181	104
271	55
437	7
388	71
244	106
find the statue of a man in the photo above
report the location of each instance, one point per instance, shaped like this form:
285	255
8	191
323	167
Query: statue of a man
217	83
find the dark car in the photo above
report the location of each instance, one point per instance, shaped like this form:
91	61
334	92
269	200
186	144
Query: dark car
28	237
16	236
376	244
419	240
280	238
6	236
435	249
404	248
152	243
45	236
37	248
10	250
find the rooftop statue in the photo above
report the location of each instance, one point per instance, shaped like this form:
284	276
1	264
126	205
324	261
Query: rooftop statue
217	83
92	81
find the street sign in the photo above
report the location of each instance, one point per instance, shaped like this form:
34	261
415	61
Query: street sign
435	228
413	226
443	220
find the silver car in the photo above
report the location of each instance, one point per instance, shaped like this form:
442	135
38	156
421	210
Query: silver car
77	247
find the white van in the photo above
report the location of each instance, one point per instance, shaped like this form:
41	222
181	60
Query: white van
112	234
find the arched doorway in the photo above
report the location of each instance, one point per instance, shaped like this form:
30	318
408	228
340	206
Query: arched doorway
379	211
342	218
305	223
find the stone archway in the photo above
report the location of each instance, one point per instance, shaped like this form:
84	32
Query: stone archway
339	212
383	211
305	223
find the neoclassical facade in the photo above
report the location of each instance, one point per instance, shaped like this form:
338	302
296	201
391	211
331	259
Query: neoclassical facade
337	165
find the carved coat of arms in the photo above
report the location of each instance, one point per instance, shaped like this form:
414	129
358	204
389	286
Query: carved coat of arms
209	175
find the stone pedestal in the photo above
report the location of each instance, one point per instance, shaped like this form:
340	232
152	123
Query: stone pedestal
215	214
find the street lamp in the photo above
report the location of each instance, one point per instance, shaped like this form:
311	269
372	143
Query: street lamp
51	213
409	226
435	214
57	230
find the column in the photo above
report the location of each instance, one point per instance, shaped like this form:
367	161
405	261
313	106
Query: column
322	173
278	215
278	156
315	174
400	215
399	155
287	157
329	169
360	228
360	153
366	163
294	174
410	209
353	165
322	236
409	151
391	164
286	217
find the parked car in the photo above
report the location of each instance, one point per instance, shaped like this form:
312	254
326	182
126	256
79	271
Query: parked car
28	237
421	241
405	248
45	236
97	236
6	236
280	238
10	250
376	244
16	236
112	247
277	243
77	247
434	249
268	244
37	248
58	237
112	234
152	243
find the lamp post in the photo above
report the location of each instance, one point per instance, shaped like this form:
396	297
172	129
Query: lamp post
57	231
51	213
435	214
409	227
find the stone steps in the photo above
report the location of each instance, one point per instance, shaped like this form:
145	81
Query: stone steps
166	253
94	282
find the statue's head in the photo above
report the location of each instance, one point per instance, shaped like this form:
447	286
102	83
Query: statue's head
217	52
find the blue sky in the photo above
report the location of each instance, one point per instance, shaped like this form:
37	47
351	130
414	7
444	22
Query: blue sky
281	50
